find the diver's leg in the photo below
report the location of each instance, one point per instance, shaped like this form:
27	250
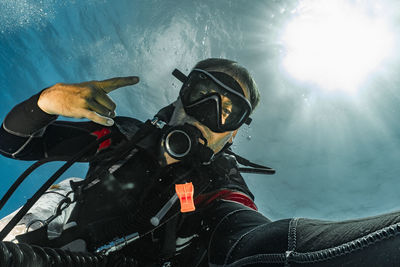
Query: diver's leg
243	237
371	241
238	232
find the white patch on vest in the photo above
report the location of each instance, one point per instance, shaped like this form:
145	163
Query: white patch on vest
182	243
78	245
41	211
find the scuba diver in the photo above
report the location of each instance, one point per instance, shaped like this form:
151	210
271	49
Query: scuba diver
166	192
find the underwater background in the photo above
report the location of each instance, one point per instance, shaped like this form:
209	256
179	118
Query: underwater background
337	154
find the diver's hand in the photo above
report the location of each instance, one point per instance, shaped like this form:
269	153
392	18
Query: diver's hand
84	100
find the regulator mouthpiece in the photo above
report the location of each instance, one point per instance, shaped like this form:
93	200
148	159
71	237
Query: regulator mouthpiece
178	144
182	143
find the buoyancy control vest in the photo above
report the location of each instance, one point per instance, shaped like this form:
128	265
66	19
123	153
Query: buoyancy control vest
123	201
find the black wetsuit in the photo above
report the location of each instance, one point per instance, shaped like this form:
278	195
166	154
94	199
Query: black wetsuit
124	202
225	229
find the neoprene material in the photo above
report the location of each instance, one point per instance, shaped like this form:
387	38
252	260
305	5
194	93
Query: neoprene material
98	219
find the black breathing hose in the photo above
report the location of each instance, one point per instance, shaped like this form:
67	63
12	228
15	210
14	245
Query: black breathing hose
24	255
13	222
23	176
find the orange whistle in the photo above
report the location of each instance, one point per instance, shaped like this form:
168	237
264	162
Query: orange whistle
185	194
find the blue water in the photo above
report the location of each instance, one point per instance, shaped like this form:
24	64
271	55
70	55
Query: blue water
336	156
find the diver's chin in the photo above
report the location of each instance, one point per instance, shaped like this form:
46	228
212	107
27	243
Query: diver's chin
202	128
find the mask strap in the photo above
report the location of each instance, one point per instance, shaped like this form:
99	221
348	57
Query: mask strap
248	121
179	75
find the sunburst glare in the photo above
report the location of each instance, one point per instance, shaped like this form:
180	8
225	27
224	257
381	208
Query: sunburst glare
335	44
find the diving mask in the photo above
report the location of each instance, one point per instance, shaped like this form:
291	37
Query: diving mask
215	99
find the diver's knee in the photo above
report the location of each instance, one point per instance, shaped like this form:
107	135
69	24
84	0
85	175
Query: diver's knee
244	232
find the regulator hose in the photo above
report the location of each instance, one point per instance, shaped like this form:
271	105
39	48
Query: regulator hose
24	255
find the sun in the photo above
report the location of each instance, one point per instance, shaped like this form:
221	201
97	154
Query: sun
335	44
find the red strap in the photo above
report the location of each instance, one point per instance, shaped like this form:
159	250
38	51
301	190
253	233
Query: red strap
101	133
227	195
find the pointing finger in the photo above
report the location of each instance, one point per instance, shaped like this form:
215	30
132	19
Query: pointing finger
100	109
114	83
105	100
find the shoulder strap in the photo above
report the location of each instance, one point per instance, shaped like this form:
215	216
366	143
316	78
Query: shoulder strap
128	126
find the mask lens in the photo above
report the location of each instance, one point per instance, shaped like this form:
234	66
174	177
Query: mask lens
235	113
207	111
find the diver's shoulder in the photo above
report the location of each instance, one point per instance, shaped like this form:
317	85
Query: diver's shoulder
127	120
128	126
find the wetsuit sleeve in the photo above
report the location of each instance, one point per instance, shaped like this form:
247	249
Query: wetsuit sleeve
28	133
